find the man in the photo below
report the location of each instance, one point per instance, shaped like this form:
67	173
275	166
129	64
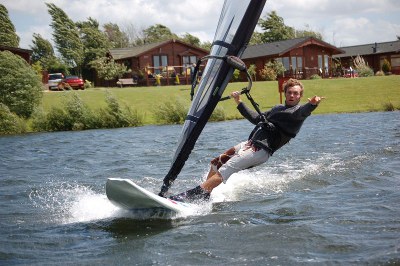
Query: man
274	129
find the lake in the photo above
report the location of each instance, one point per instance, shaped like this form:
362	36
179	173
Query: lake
329	197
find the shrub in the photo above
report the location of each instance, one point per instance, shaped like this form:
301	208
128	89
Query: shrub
236	75
39	120
389	107
171	113
379	73
20	87
268	74
315	76
218	114
271	70
116	115
386	67
10	123
252	71
363	69
58	120
76	115
87	84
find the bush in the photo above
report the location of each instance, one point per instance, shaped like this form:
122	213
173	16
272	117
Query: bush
365	71
171	113
76	115
362	67
268	74
116	116
20	87
218	114
315	76
386	67
10	123
271	70
379	73
389	107
87	84
236	75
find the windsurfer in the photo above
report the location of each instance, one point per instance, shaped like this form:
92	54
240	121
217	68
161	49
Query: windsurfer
274	129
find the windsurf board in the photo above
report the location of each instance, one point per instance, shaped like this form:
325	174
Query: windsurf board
126	194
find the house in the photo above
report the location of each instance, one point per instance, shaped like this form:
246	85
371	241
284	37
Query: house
167	62
301	57
24	53
374	54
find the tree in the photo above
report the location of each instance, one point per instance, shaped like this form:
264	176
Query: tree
20	86
8	36
189	38
66	37
116	37
95	42
256	38
275	29
158	33
41	48
107	68
308	32
43	53
206	45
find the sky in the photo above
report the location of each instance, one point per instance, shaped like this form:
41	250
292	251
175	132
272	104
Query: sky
341	22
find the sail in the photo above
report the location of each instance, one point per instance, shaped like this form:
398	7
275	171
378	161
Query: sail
235	27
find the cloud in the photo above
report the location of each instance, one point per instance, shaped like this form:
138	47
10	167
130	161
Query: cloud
339	21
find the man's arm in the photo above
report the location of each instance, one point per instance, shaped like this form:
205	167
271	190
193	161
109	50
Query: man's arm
246	112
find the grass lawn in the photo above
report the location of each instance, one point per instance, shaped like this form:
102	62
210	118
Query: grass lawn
342	96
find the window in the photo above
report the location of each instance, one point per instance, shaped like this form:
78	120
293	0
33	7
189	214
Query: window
188	60
395	60
285	62
320	61
297	62
323	64
158	62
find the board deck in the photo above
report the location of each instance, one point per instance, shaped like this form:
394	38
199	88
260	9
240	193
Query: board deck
126	194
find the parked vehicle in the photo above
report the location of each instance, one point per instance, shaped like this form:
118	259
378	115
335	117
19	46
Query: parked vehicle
75	82
54	80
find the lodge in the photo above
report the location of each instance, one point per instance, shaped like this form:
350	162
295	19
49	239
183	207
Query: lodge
24	53
301	57
166	62
373	54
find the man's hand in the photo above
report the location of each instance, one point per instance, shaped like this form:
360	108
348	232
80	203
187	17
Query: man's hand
236	96
315	100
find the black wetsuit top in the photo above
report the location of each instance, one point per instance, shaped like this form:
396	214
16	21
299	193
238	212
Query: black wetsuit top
277	126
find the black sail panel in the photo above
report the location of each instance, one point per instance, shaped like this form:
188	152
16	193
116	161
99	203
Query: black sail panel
235	27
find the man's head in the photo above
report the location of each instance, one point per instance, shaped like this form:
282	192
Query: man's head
293	91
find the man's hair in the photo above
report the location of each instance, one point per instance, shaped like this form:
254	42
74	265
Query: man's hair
292	82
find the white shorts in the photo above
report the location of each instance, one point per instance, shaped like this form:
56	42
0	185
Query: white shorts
246	156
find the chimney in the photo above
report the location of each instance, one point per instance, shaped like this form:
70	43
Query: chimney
375	48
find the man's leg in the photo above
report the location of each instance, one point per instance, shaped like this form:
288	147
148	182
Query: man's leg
217	162
212	182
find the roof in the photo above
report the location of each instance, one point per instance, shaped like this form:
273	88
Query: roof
281	47
15	49
122	53
372	48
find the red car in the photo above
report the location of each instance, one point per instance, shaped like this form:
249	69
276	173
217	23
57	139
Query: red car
75	82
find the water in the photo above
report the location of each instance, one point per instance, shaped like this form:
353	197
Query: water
330	197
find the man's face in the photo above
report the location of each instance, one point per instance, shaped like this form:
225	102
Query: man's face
293	95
